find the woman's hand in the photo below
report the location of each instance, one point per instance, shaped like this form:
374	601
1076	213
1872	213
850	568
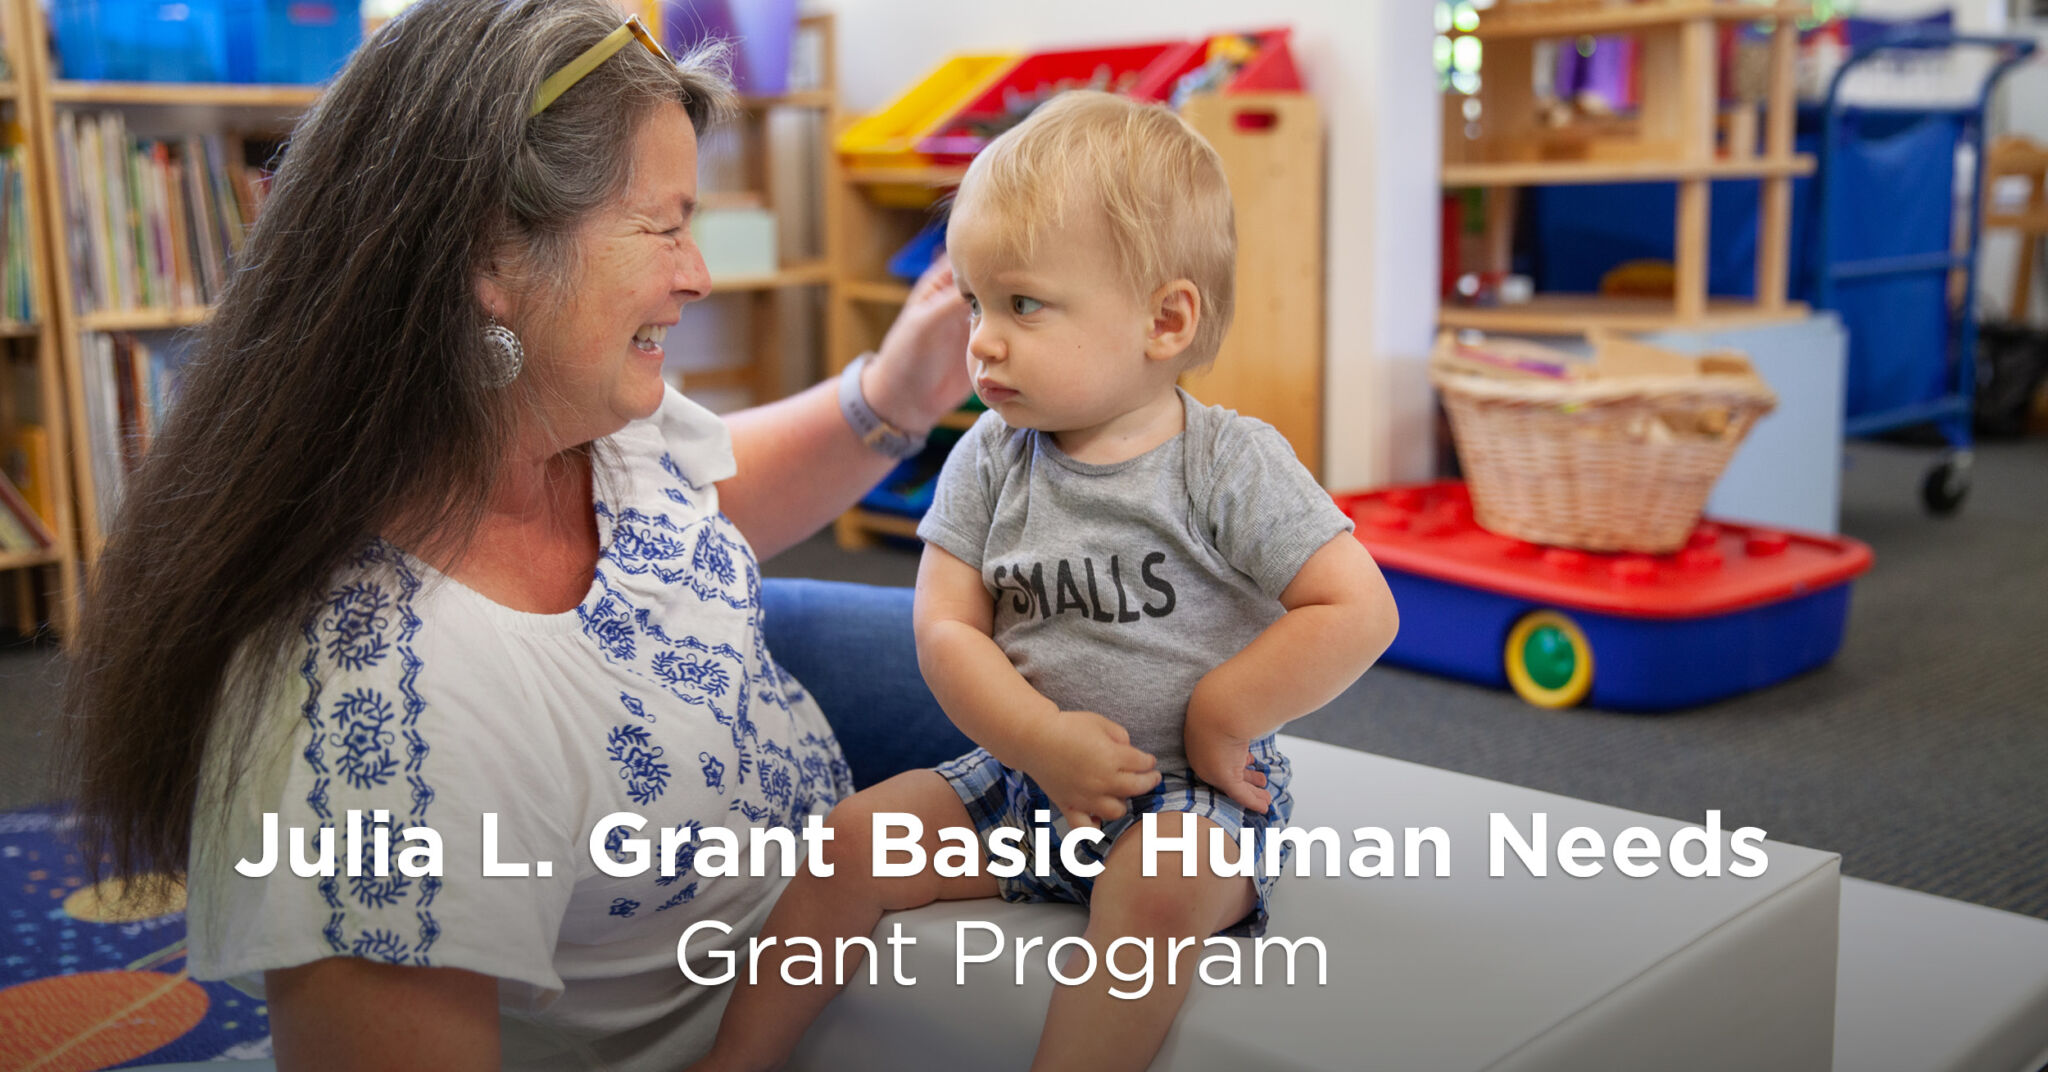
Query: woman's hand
1225	762
920	373
1088	769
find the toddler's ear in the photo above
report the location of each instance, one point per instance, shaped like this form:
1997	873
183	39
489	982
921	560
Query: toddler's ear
1176	311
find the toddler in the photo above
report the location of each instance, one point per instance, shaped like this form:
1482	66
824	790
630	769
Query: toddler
1124	592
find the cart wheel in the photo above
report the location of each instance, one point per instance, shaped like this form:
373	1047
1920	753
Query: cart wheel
1548	660
1945	488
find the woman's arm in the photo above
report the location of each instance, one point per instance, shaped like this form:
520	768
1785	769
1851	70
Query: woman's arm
345	1013
800	465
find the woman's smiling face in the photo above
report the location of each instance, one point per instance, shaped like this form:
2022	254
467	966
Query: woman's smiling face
597	359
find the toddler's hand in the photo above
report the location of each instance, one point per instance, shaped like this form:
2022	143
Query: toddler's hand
1089	768
1225	763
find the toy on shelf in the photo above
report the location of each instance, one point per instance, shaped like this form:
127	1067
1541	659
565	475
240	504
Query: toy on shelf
1616	453
1735	609
1607	91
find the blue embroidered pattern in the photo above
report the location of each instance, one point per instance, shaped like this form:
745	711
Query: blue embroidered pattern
356	624
365	739
639	761
774	773
360	718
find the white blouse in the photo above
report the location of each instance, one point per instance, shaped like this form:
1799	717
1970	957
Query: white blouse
415	695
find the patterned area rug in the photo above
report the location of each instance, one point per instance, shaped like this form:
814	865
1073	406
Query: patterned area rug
89	979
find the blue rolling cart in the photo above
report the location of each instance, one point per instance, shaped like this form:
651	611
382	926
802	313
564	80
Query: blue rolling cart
1884	251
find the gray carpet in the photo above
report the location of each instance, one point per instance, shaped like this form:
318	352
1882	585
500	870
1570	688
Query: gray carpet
1920	754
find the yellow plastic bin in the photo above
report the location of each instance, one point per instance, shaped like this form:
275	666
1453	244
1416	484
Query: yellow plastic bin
888	138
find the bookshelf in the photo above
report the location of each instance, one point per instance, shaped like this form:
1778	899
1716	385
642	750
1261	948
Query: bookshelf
188	205
1679	133
171	111
41	583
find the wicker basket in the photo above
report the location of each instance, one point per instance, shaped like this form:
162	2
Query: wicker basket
1618	462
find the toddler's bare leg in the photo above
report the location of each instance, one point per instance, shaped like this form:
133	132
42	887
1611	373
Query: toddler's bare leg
765	1019
1088	1027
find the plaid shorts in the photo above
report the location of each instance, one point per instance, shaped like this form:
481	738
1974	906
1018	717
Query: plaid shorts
998	797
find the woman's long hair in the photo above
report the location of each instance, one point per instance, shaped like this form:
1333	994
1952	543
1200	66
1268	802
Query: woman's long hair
342	388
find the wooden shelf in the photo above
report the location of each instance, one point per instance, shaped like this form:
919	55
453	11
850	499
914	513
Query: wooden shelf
144	319
1574	314
718	379
878	292
183	94
810	273
15	329
961	419
9	90
1578	172
883	524
820	99
23	559
934	177
1634	17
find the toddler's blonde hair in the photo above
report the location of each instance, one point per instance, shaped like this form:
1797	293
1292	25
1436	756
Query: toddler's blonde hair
1158	184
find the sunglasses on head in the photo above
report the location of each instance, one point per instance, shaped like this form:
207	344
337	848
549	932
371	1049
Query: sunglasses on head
573	71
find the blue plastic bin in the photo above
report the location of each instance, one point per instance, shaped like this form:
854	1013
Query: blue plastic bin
282	41
295	42
142	40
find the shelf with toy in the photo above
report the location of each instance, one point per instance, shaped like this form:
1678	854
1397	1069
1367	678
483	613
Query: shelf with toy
1570	314
183	94
1514	19
1578	172
1663	121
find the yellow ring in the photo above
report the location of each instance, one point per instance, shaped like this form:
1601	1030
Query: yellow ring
1525	684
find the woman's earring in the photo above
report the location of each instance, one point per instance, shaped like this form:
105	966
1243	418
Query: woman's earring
510	352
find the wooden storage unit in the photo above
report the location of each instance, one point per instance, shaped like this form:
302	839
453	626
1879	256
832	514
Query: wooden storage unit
761	374
870	213
158	108
2017	158
1271	364
1678	134
32	383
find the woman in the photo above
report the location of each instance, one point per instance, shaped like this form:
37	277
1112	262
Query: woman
428	543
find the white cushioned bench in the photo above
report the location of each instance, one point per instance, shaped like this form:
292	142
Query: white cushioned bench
1473	972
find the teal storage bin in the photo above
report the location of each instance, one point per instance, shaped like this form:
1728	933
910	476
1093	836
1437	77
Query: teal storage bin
142	40
292	42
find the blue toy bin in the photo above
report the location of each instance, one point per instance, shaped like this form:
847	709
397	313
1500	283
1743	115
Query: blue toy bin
272	41
142	40
295	42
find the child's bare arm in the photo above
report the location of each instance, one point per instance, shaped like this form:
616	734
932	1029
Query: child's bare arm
1083	761
1340	618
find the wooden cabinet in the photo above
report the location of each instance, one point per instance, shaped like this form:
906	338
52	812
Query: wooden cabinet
1679	132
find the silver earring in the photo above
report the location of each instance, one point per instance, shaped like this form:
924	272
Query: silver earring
511	354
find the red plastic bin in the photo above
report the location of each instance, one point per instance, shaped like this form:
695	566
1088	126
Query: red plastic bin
1145	72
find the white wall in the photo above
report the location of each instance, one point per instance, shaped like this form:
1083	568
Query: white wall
1368	63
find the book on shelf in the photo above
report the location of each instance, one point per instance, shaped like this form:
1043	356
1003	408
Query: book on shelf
25	459
153	222
17	302
20	528
128	384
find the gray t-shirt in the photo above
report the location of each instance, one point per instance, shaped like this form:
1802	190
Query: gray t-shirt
1117	587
